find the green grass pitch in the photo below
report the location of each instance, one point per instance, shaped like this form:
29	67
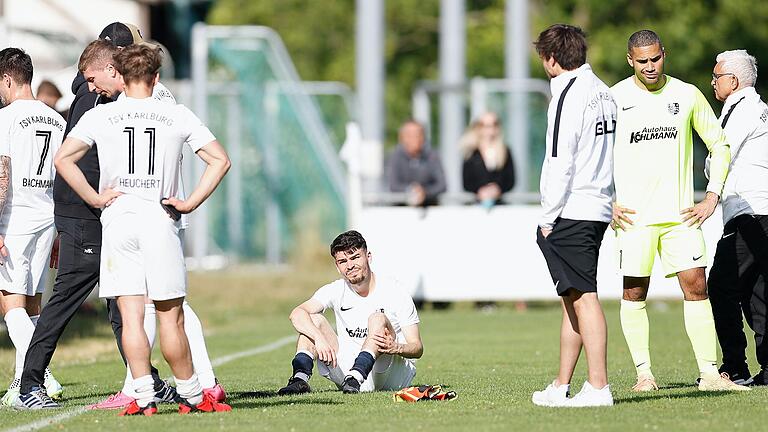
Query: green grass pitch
494	361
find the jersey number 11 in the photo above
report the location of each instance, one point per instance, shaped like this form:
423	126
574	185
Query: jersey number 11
150	132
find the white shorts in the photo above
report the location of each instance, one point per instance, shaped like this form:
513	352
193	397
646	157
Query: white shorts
390	372
141	255
26	267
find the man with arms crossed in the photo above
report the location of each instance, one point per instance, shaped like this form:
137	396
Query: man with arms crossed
30	134
141	140
576	190
654	211
377	325
739	277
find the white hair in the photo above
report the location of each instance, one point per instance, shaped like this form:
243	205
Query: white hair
741	64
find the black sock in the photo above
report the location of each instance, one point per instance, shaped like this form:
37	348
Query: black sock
302	366
364	364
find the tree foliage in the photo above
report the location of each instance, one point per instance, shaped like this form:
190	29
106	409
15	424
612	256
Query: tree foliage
320	37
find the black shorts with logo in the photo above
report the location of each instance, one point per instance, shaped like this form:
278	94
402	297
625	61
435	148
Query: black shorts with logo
571	251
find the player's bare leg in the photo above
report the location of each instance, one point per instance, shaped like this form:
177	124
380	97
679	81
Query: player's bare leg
570	341
378	324
303	361
594	335
634	324
137	350
700	326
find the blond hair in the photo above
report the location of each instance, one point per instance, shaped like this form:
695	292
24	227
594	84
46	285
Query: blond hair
470	141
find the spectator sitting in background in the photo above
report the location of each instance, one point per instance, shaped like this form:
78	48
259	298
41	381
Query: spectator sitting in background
49	94
414	168
488	170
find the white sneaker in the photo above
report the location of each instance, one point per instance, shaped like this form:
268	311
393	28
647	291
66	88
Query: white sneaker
552	396
52	386
592	397
9	399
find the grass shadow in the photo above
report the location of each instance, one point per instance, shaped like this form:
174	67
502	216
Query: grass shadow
693	394
275	402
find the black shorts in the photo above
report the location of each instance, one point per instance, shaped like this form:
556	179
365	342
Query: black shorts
571	251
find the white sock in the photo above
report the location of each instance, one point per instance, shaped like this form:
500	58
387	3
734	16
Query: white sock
34	319
357	375
200	360
144	388
150	328
190	389
20	330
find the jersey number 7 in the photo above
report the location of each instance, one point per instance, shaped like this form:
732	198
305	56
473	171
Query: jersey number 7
46	135
150	132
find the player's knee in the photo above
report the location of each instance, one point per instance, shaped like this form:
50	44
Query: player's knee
634	294
377	321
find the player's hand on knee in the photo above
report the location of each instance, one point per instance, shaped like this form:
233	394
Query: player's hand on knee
620	217
385	342
696	215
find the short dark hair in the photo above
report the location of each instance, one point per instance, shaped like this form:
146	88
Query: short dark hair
566	43
17	64
138	63
643	38
100	51
348	241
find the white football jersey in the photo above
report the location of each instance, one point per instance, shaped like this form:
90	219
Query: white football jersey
140	142
161	93
30	134
352	310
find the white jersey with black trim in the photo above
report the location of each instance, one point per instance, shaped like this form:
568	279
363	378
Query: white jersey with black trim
161	93
140	142
30	134
352	310
745	121
576	178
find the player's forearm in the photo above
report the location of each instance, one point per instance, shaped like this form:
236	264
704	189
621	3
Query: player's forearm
5	180
210	180
719	162
303	324
411	349
72	174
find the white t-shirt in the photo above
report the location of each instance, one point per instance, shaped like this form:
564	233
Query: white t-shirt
161	93
140	142
352	310
30	134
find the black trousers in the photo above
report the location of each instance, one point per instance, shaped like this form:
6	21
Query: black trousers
738	283
79	255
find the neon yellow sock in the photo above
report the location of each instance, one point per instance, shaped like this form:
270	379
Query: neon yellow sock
700	326
634	323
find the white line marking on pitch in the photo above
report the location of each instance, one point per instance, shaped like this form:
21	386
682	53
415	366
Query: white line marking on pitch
50	421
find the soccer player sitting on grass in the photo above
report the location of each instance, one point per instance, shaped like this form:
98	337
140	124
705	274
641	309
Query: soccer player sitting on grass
140	141
377	325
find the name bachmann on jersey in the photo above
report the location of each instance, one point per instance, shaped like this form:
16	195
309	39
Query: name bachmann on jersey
654	133
36	183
